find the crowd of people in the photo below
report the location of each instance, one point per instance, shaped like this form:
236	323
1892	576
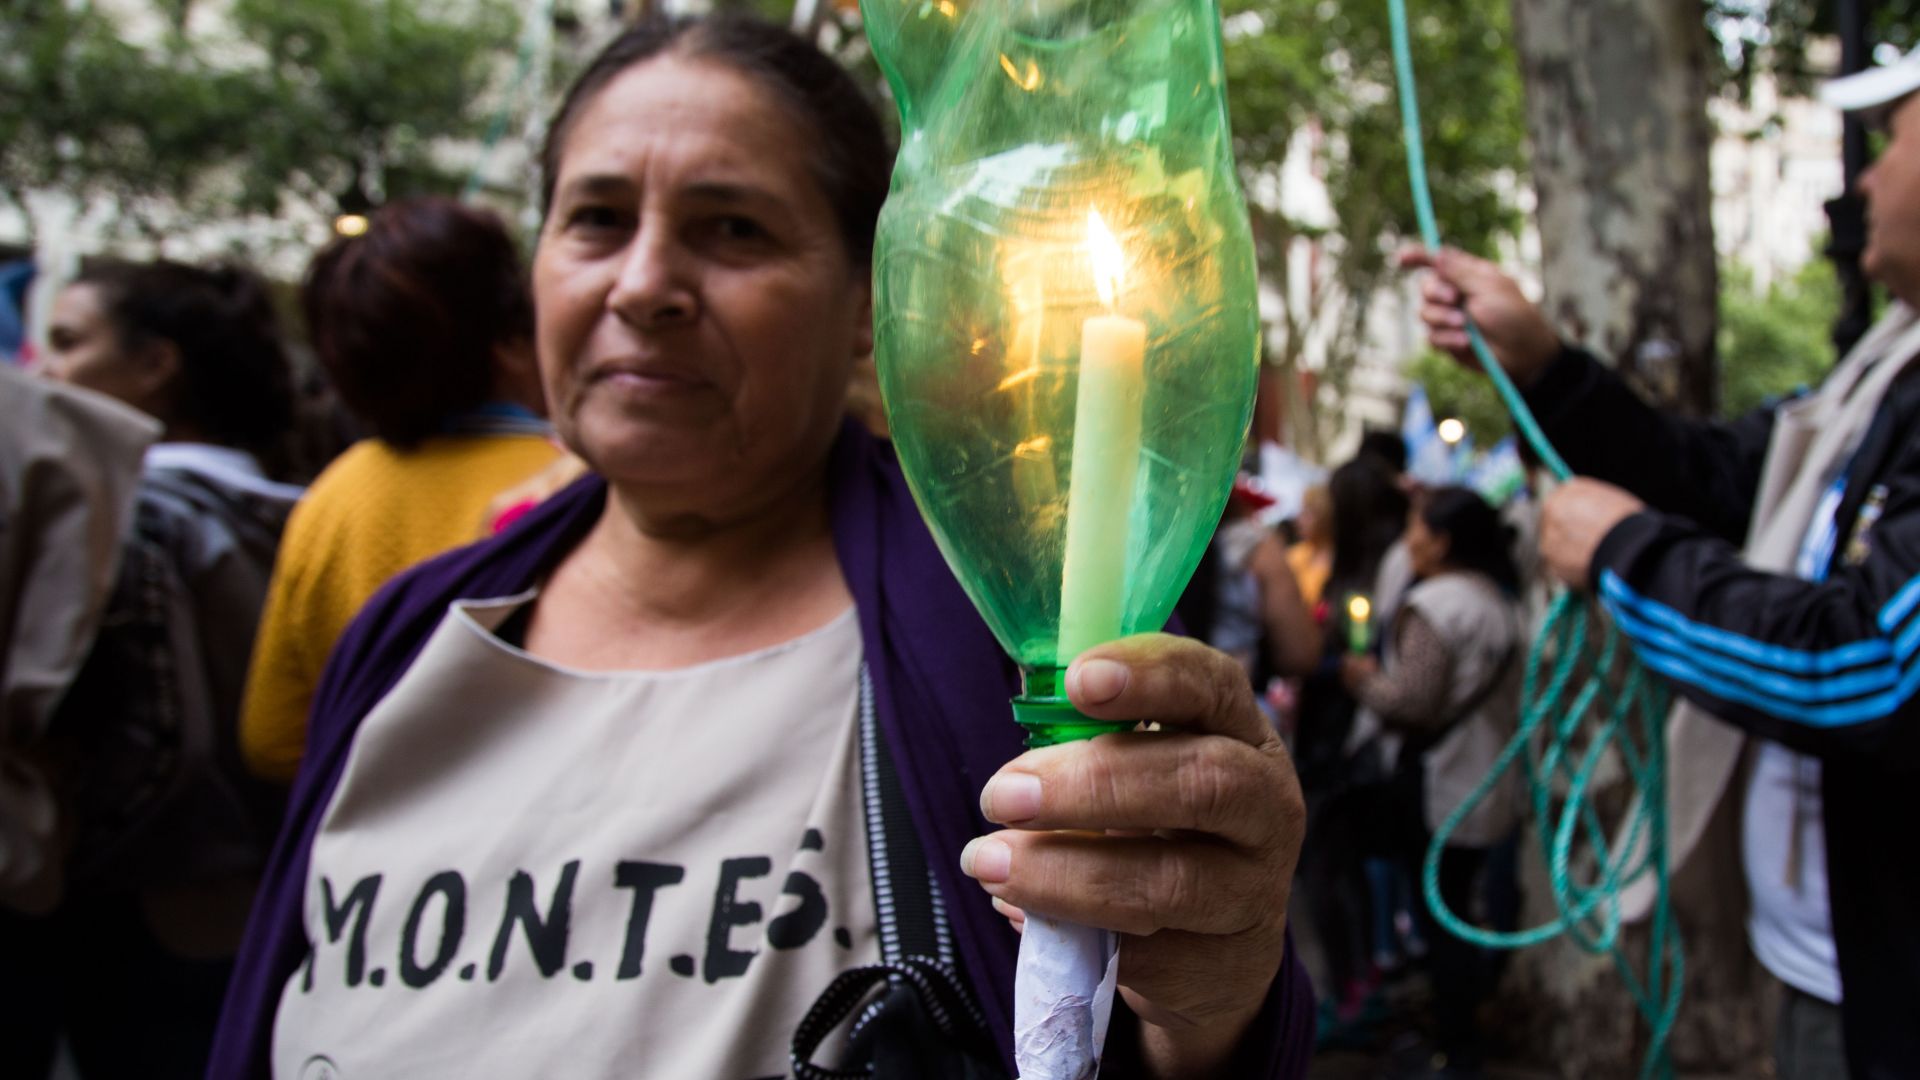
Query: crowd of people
1403	613
196	641
607	708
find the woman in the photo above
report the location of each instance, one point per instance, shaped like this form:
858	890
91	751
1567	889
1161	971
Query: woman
1448	681
425	328
1311	557
606	810
1368	511
1243	599
168	833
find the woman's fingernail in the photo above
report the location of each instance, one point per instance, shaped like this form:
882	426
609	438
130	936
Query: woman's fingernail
1011	797
1099	681
987	860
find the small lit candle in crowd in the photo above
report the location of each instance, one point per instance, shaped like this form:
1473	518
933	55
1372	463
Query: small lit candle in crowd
1359	624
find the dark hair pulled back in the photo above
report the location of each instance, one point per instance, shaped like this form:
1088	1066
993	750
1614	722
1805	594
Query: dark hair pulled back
407	317
234	385
1476	537
1388	448
852	159
1369	514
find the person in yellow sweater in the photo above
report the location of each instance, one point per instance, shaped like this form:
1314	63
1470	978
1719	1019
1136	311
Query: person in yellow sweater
1311	557
425	326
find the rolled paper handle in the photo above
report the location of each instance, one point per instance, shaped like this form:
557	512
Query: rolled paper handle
1063	999
1063	984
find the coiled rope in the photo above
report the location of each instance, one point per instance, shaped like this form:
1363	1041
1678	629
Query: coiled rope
1572	675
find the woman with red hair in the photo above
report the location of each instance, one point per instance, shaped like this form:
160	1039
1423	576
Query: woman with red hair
425	327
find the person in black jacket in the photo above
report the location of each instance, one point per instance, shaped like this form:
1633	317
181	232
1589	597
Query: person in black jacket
1770	569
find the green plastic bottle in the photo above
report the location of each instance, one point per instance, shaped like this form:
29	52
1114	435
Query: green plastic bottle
1066	313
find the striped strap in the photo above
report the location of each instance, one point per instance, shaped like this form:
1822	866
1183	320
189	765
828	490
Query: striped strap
916	940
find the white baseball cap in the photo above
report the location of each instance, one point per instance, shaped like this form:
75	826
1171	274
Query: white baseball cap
1872	91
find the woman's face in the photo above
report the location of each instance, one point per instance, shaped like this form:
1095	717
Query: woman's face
1426	549
698	312
1314	522
85	349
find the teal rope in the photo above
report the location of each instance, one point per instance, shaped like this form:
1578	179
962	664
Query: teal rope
1611	685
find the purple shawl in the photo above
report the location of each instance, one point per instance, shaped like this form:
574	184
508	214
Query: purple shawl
941	686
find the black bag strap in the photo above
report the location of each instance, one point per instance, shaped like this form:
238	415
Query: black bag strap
923	1012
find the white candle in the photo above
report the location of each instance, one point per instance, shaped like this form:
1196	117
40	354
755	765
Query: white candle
1106	461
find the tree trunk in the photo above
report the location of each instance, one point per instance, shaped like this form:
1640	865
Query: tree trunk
1616	111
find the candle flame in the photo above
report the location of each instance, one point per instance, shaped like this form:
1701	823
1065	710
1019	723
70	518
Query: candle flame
1359	609
1109	261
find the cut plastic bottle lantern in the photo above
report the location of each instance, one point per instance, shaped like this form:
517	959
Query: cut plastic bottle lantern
1066	316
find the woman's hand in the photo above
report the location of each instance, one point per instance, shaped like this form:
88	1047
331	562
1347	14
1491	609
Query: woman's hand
1293	636
1183	840
1355	670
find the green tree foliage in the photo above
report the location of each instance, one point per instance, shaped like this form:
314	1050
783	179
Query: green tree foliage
1321	65
1775	341
82	109
1772	342
1772	36
358	92
338	101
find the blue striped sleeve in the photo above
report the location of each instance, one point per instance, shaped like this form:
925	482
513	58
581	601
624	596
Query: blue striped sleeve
1844	685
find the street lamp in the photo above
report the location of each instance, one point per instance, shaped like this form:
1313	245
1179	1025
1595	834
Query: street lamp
1452	431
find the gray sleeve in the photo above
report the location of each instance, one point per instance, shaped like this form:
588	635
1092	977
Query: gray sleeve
1415	690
